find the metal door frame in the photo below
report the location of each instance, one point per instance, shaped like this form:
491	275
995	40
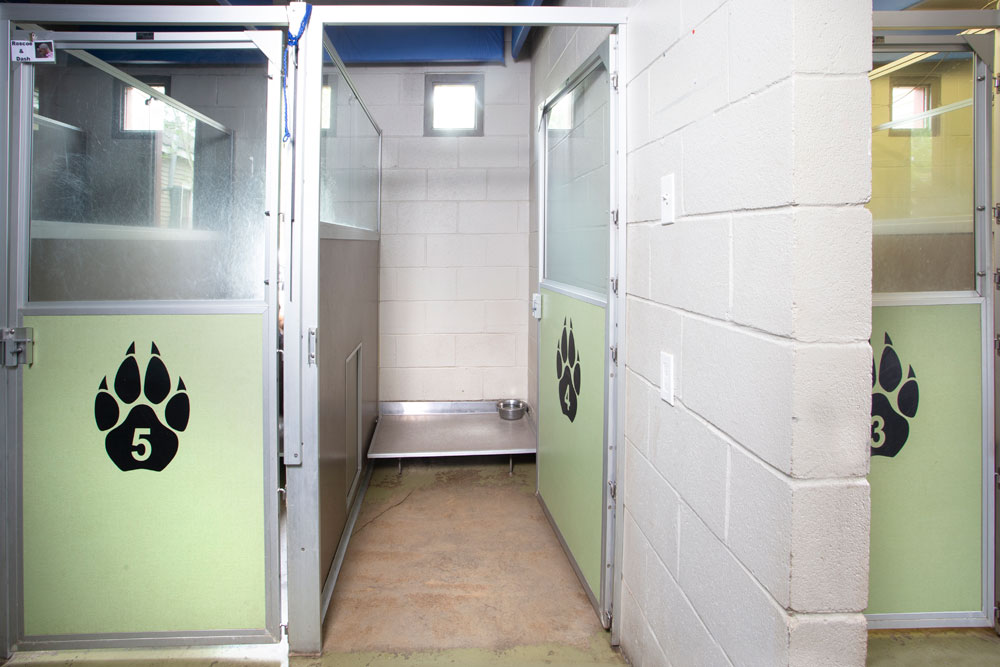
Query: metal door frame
18	92
8	458
984	296
608	55
305	599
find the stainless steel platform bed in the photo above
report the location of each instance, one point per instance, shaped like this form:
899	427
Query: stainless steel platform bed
426	430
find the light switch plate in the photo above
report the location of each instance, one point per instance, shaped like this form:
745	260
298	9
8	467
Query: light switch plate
667	377
668	200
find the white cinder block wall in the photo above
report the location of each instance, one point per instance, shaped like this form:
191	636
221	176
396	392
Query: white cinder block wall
454	258
746	504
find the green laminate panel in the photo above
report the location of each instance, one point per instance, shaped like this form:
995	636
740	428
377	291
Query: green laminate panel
108	550
571	451
926	542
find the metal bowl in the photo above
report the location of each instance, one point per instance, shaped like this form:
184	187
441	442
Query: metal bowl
511	408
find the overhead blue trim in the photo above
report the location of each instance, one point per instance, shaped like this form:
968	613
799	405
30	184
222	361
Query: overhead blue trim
417	44
180	57
519	34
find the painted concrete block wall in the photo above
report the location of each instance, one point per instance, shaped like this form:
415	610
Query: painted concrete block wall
454	260
746	504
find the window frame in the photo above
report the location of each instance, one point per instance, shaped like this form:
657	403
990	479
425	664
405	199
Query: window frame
470	78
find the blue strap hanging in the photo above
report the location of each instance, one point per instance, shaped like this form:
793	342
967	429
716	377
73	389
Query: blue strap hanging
293	42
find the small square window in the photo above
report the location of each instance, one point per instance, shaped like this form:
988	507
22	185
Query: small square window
911	96
909	101
453	105
137	110
143	113
561	115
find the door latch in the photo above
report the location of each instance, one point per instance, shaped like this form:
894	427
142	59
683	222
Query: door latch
18	346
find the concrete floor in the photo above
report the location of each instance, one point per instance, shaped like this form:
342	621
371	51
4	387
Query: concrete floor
453	562
956	648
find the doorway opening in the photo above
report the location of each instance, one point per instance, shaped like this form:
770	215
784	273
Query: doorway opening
454	284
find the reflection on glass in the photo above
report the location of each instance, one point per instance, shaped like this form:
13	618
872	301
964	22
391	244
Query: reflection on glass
909	103
155	205
143	113
577	215
922	172
349	159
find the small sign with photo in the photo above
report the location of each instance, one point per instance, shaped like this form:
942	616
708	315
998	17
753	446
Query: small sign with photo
32	52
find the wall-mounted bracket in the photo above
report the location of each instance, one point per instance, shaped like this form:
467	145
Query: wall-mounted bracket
292	457
311	347
18	346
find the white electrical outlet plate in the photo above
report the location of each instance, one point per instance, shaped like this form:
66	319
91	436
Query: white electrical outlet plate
668	200
667	377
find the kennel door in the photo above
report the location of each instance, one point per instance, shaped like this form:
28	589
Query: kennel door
147	422
576	355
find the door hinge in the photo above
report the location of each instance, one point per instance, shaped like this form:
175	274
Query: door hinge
614	284
996	213
613	489
996	278
996	84
614	351
996	343
614	80
609	618
996	479
614	217
18	346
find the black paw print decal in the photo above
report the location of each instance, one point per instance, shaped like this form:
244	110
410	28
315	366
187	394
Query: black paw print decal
894	402
141	440
568	371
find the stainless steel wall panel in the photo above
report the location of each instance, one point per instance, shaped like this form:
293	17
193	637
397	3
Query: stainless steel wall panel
348	316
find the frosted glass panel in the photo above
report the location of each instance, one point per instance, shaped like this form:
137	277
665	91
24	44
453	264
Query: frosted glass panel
349	158
922	172
578	189
170	208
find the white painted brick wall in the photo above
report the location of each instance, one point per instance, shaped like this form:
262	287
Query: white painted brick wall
454	257
746	507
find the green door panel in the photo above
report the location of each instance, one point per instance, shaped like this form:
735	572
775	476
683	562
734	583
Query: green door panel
926	524
571	426
109	545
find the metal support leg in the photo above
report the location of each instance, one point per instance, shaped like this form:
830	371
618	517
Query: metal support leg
399	470
511	473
